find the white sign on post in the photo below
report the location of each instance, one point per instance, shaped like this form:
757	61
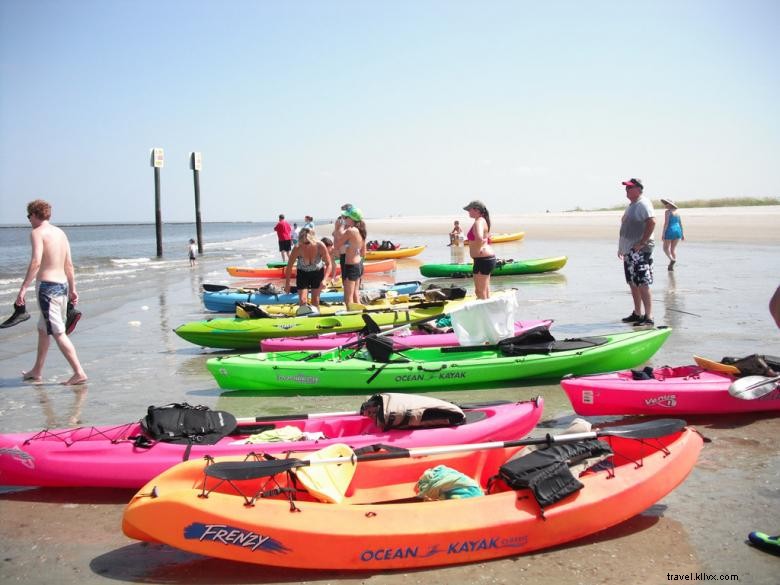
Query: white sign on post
195	161
158	158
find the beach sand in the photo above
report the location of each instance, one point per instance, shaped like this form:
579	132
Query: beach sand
716	301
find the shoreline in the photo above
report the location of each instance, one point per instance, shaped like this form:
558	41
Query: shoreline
758	224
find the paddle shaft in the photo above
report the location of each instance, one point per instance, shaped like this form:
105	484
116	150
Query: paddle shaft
254	469
546	440
310	415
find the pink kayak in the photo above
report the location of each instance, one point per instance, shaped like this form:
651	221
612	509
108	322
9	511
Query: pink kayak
417	338
671	392
108	456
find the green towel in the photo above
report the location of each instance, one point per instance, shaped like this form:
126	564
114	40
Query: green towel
444	483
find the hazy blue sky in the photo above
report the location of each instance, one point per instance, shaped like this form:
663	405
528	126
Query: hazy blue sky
403	107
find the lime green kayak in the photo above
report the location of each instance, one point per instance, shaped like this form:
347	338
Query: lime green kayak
354	371
247	333
534	266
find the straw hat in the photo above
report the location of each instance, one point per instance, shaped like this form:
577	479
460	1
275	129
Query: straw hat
669	202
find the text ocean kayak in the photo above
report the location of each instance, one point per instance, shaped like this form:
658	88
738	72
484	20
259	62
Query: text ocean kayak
350	371
510	267
106	456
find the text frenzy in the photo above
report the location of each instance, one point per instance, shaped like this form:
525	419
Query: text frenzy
228	535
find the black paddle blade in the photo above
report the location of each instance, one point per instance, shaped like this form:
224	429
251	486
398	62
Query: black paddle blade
241	470
214	287
645	430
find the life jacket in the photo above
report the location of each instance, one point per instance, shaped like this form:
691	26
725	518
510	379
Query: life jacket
408	411
546	471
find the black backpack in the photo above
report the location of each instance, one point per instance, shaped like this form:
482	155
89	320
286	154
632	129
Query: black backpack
182	423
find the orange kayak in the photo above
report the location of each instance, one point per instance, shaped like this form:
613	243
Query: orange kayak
380	524
368	268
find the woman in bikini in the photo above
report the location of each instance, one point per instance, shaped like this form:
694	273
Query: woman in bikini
478	238
350	240
313	263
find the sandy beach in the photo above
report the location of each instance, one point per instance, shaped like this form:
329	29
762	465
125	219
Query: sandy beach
716	302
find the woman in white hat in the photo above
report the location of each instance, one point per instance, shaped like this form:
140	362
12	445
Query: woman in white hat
672	232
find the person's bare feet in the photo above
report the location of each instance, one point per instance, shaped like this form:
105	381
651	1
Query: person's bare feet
31	376
75	379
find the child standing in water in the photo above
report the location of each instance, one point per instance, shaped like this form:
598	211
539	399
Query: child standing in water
193	249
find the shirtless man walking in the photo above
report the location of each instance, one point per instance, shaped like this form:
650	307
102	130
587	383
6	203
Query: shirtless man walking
56	283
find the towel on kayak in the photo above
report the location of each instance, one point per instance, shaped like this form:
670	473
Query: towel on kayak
283	434
444	483
486	321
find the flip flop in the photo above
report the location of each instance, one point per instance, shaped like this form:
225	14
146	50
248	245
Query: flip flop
72	318
20	315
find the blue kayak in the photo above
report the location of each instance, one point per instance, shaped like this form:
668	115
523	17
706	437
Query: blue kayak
224	301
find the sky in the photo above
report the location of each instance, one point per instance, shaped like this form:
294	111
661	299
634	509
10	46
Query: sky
409	107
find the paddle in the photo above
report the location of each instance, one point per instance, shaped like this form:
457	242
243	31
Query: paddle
752	387
214	287
310	415
240	470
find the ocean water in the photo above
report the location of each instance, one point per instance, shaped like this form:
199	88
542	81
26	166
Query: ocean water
109	252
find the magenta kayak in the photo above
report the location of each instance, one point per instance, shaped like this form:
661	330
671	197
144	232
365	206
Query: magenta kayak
417	338
671	391
108	456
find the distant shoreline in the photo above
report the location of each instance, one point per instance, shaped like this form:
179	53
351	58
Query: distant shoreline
754	224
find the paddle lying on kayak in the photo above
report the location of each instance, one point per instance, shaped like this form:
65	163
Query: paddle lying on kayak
752	387
238	470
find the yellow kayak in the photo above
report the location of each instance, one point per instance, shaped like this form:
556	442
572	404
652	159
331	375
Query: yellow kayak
501	238
397	253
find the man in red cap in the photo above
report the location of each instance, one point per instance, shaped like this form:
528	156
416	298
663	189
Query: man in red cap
635	248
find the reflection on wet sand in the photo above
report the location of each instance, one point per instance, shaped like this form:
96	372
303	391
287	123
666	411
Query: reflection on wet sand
73	414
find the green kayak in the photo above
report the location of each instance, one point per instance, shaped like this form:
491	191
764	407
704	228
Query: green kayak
356	372
503	268
247	333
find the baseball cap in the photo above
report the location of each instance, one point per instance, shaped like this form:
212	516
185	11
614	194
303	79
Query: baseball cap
634	183
353	213
476	204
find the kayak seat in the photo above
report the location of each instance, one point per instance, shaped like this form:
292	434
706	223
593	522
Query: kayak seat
473	416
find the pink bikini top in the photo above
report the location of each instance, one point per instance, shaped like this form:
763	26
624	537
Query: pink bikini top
470	235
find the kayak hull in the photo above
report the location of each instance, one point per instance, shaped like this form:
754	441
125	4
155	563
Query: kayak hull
401	341
502	238
397	253
366	532
225	301
533	266
244	272
106	456
247	333
672	392
347	371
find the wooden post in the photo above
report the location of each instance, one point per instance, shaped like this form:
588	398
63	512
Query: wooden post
195	164
158	160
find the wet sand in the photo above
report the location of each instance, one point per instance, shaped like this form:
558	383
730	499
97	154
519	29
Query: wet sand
716	301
